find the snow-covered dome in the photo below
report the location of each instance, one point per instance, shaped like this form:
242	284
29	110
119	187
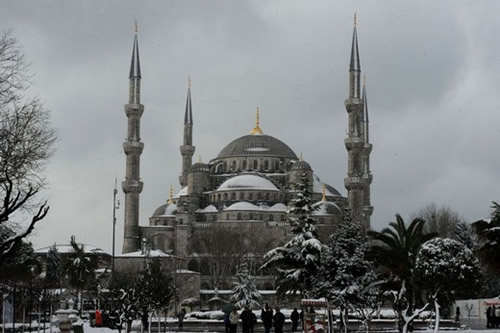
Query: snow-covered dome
318	187
243	205
325	208
249	182
257	145
208	209
168	209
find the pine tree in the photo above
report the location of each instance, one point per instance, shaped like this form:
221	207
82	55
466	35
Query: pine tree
155	287
245	293
53	274
346	277
297	260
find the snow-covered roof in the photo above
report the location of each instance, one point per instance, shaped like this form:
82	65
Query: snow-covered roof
208	209
152	253
318	187
170	210
251	182
325	208
243	205
184	191
67	248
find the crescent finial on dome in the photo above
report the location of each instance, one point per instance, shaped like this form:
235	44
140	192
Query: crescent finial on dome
323	191
171	196
257	129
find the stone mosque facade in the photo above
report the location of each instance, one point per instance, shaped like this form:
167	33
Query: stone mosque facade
241	195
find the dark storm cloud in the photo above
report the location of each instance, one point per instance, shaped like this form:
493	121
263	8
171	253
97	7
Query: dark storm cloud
432	78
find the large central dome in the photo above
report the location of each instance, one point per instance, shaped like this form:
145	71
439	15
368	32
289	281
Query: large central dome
257	145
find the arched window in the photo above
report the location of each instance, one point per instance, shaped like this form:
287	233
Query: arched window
233	196
244	166
255	164
227	216
242	195
250	216
271	217
234	165
225	196
238	216
266	165
267	196
250	196
218	197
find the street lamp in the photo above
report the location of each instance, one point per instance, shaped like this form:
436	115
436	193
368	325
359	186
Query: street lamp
116	205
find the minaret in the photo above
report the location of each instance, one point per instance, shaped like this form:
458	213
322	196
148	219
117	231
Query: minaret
187	148
367	176
132	186
355	141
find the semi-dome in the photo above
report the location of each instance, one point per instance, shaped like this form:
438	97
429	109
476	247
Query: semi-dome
257	145
247	182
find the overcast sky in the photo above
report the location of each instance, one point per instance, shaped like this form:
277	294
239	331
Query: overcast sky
432	72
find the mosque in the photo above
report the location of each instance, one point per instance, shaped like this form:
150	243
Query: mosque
235	206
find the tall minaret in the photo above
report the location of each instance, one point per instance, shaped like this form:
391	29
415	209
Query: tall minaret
355	182
132	186
367	149
187	148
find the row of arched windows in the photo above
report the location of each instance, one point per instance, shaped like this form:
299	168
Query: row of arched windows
238	165
247	195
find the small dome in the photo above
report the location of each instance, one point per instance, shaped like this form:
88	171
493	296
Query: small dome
247	182
301	165
166	210
325	208
200	167
318	187
243	205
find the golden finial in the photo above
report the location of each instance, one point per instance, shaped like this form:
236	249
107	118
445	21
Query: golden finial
136	27
355	19
199	158
171	196
189	82
301	157
257	129
323	190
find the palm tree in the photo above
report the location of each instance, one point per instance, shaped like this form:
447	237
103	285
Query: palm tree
488	237
80	268
394	249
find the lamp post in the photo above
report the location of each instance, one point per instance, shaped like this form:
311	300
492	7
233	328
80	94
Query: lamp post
116	205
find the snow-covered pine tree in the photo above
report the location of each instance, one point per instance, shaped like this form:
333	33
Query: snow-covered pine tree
245	293
346	277
297	261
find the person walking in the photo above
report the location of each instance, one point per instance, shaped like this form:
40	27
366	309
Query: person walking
233	321
253	320
497	316
266	315
227	323
294	316
278	321
181	316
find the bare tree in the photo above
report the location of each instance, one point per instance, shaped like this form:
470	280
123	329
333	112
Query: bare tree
26	144
441	220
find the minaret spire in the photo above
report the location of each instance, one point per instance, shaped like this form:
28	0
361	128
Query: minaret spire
358	178
257	129
365	112
354	68
132	186
187	148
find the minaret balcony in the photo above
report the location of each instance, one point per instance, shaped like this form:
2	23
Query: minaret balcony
367	147
187	150
132	186
354	104
134	110
368	210
354	142
353	183
133	147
